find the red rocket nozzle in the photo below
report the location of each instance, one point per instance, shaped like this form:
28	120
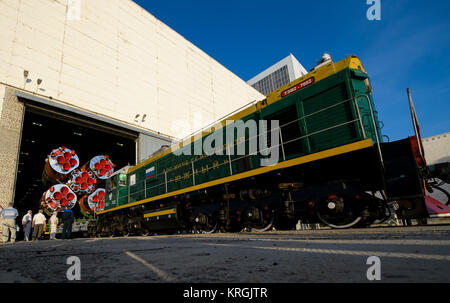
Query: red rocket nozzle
78	179
102	162
102	172
64	202
73	162
57	195
66	166
60	159
101	193
70	196
85	175
64	190
67	155
90	181
84	186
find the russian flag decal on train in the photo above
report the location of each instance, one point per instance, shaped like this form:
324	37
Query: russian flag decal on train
150	173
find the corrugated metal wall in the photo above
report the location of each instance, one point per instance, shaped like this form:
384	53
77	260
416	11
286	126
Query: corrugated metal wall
147	145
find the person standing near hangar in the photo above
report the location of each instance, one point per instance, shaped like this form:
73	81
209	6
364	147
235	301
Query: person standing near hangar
67	219
26	223
39	221
53	225
9	216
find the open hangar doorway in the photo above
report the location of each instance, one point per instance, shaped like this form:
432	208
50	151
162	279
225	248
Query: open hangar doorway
46	128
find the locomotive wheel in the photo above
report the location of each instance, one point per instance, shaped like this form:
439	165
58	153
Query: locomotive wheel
210	229
206	224
259	220
337	213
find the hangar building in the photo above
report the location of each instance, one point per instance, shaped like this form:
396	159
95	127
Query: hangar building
101	77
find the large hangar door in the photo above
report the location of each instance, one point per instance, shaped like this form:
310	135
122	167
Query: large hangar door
46	128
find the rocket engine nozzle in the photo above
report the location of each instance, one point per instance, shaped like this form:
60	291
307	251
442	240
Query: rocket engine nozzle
58	165
82	182
94	202
102	166
58	197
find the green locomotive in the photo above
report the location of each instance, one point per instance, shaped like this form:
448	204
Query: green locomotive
311	151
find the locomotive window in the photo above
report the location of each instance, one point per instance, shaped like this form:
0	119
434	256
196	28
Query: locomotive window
122	180
133	180
110	184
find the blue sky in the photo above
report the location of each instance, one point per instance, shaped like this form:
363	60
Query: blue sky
408	47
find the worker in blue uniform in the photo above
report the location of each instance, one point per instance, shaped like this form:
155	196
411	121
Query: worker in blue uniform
67	219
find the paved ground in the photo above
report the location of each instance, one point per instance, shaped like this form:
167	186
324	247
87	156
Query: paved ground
407	254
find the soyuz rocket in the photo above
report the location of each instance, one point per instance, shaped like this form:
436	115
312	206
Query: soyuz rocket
68	184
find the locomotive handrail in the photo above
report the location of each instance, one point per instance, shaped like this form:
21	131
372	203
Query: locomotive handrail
375	128
282	144
319	131
304	117
296	120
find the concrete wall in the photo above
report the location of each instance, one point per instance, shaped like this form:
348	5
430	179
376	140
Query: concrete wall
116	60
10	129
437	148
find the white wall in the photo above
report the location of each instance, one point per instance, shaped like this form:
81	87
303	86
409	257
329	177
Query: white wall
437	148
295	70
117	60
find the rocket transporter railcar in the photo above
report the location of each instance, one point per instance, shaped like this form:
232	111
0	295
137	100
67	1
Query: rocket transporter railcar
333	167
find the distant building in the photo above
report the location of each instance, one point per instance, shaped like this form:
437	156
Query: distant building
279	74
